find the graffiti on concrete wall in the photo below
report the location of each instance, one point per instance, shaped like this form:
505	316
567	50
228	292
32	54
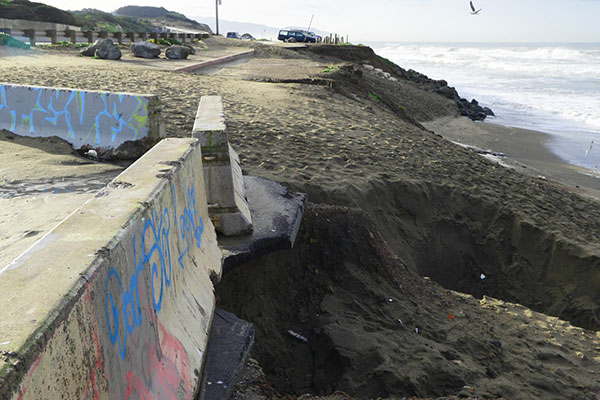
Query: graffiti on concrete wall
83	118
170	373
189	227
124	309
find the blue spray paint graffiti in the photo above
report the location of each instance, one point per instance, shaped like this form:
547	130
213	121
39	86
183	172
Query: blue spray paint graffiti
188	229
93	118
4	104
125	316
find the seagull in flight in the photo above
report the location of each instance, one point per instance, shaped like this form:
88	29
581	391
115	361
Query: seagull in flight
473	11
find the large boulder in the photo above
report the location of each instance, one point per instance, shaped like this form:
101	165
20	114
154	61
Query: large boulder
176	52
107	50
145	49
91	50
190	48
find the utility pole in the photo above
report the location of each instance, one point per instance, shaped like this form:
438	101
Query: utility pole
217	12
310	24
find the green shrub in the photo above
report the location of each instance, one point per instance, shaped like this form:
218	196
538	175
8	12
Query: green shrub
331	68
66	43
375	96
166	42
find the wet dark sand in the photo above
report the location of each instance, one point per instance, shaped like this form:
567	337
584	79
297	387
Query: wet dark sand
525	150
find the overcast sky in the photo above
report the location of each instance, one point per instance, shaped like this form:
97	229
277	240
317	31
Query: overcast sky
400	20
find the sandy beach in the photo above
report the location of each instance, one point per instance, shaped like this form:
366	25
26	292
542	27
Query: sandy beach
385	278
523	149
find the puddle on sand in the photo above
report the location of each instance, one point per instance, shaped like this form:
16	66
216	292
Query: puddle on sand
80	184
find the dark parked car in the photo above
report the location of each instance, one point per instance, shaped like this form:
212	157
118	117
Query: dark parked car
292	36
233	35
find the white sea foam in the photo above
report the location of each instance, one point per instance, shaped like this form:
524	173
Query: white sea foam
554	88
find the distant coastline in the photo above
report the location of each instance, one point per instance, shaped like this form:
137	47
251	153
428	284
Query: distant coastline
549	87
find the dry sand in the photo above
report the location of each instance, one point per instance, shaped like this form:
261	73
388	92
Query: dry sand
427	206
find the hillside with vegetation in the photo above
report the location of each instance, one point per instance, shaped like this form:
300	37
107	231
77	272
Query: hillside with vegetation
24	9
92	19
160	16
129	18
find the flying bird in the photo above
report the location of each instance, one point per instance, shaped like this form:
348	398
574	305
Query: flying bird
473	11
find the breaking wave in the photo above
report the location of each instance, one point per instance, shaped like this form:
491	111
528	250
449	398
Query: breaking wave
549	87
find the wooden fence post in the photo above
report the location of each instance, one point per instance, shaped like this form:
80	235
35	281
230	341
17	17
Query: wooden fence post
130	36
143	36
182	37
51	33
103	34
154	35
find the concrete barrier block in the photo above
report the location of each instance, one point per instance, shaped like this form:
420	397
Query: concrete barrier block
209	125
115	124
228	205
226	194
231	223
117	301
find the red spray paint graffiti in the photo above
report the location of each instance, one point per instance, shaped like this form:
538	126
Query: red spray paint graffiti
169	374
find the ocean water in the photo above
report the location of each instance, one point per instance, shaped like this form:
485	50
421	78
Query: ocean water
554	88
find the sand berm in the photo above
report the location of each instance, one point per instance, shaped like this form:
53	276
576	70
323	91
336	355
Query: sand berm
385	279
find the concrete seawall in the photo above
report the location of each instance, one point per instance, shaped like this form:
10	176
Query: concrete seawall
109	122
116	302
21	24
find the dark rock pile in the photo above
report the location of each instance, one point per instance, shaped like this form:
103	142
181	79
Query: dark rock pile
470	109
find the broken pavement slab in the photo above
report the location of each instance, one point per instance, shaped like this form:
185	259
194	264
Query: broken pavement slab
228	347
276	214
